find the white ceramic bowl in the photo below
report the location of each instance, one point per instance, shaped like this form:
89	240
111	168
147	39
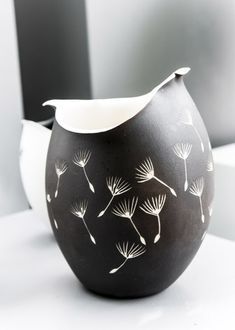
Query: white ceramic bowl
33	152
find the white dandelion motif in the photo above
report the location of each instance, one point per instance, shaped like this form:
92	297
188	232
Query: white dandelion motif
210	209
188	120
80	159
61	167
145	172
210	166
196	189
49	198
153	207
116	186
55	223
79	210
126	209
53	217
203	235
127	252
182	150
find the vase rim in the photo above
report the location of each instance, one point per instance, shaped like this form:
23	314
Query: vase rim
101	115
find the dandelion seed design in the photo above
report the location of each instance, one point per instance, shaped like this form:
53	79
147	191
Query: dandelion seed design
210	166
196	189
48	198
134	251
116	186
81	158
126	209
183	150
188	120
52	215
210	209
79	210
153	207
145	172
203	235
61	167
55	223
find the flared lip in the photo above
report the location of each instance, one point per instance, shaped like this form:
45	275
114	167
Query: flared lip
92	102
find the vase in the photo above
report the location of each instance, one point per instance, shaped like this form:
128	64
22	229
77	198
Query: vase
131	186
34	144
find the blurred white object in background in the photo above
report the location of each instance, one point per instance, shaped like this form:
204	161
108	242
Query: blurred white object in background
33	153
223	218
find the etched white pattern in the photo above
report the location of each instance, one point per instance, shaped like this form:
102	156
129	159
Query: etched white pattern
196	189
127	252
116	186
53	217
80	159
188	120
210	209
79	210
56	224
145	172
153	207
183	150
210	166
203	235
126	209
49	198
61	167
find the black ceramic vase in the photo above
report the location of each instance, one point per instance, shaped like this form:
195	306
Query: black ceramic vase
129	186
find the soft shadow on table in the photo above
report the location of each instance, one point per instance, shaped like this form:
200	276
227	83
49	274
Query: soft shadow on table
26	273
39	242
42	240
114	313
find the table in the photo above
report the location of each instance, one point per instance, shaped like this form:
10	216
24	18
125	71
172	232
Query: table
39	291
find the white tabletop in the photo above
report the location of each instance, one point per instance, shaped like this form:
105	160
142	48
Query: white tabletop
38	290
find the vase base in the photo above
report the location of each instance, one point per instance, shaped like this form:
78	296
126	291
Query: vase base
121	296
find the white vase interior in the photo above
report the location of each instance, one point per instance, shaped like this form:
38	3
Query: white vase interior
100	115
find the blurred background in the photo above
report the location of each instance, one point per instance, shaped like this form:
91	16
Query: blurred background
109	48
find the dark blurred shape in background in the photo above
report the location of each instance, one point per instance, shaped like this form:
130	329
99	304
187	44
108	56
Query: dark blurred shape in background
52	40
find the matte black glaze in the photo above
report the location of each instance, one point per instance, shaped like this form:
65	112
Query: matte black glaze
119	152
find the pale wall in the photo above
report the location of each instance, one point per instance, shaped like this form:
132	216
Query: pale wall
135	44
12	197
